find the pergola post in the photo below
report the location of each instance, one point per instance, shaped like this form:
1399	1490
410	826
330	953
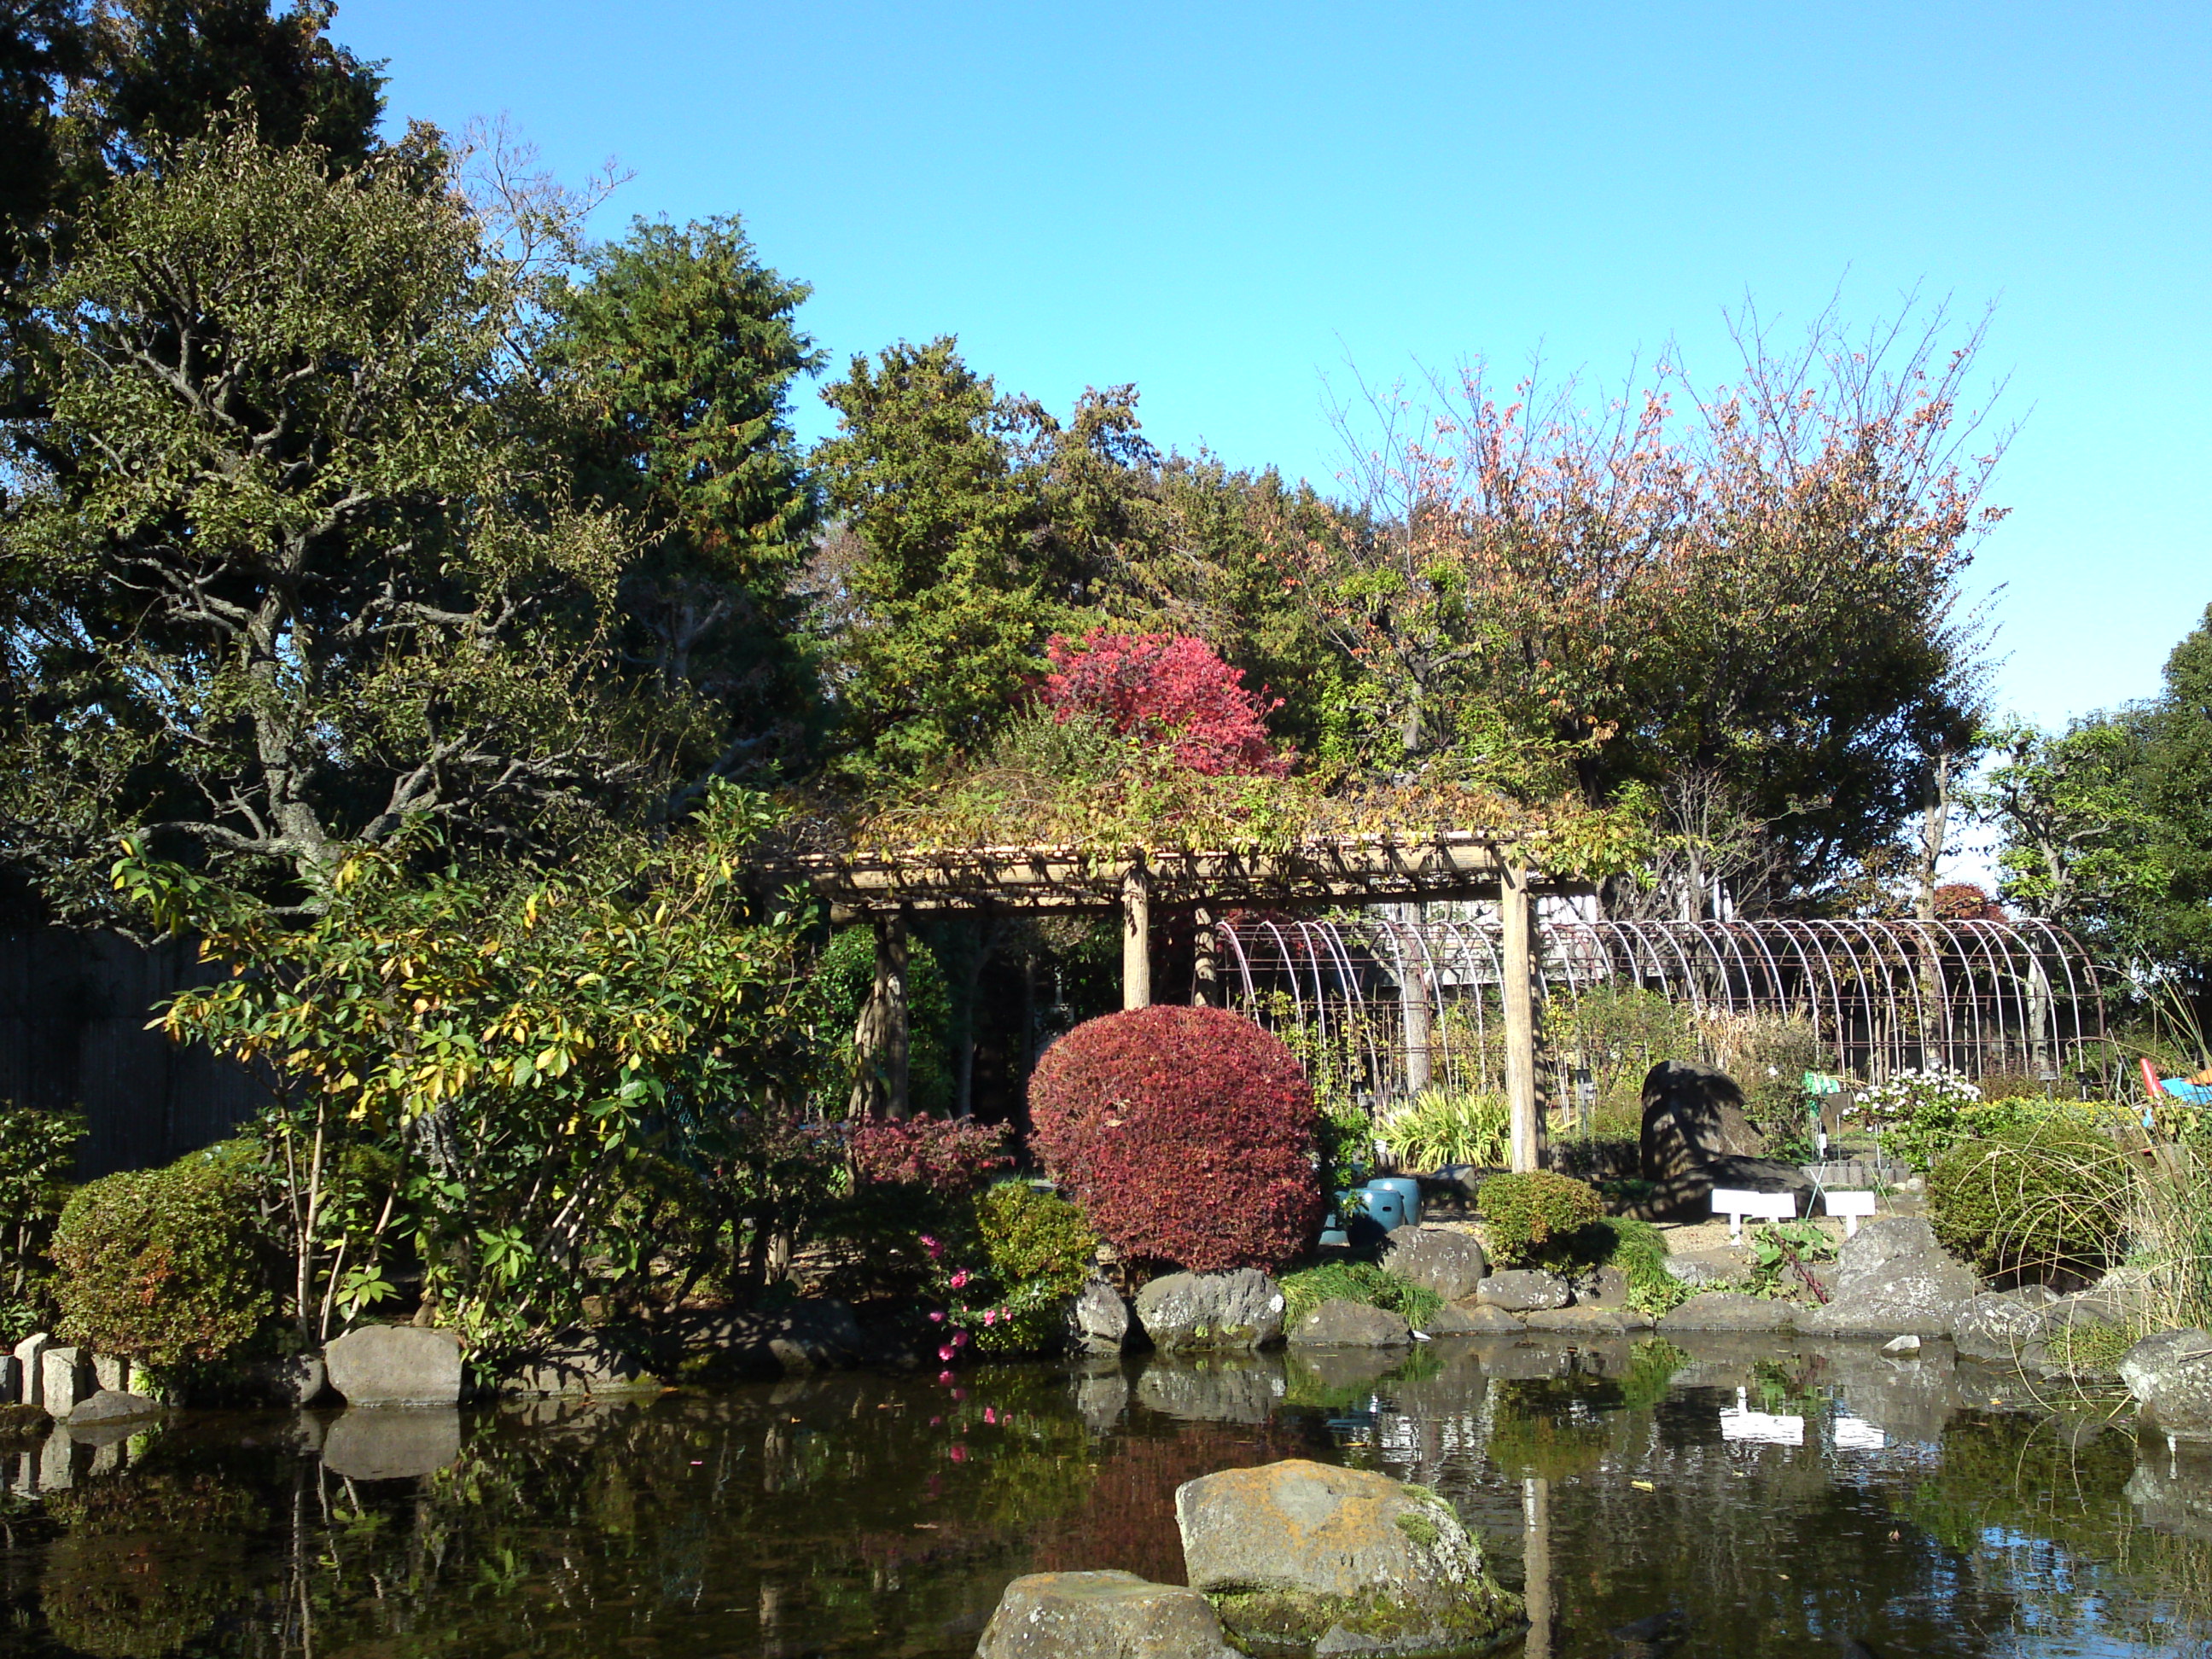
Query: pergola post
881	1039
1136	937
1519	965
1206	959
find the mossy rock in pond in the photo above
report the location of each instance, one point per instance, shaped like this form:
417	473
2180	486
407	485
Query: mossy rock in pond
1266	1623
1301	1557
22	1422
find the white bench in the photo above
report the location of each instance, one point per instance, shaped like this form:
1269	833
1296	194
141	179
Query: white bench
1760	1206
1853	1206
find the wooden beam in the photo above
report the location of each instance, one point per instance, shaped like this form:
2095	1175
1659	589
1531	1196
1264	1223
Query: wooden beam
1518	955
1136	938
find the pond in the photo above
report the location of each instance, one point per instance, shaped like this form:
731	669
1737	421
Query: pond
1725	1498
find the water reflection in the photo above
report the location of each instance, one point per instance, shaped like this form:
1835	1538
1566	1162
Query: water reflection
1723	1496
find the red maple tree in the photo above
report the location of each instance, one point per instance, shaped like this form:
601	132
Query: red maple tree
1170	688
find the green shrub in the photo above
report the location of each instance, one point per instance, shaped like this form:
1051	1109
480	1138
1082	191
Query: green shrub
2032	1200
1357	1281
36	1149
1537	1215
1439	1127
1040	1252
163	1266
1639	1250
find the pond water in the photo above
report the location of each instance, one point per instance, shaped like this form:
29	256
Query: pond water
1651	1499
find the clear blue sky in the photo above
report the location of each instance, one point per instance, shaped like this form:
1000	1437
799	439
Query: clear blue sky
1224	203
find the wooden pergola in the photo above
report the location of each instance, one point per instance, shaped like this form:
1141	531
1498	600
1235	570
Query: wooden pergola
886	889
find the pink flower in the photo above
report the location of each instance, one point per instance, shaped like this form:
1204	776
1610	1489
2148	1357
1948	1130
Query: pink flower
959	1453
930	1245
990	1416
960	1279
959	1338
942	1376
937	1316
947	1352
990	1316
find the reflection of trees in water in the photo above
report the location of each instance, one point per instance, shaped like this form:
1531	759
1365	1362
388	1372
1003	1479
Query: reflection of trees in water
1128	1519
145	1562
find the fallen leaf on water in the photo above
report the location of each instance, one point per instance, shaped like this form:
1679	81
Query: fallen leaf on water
1643	1486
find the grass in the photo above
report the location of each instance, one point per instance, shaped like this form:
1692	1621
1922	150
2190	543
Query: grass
1639	1250
1357	1281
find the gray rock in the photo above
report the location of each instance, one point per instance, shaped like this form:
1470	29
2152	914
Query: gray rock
1449	1263
1520	1290
1101	1615
1336	1561
1235	1388
2001	1326
1900	1294
1730	1311
578	1363
1340	1324
32	1383
292	1381
2172	1490
2171	1376
1591	1319
1476	1319
1705	1268
1239	1310
111	1371
1901	1346
1099	1320
1909	1398
11	1380
396	1366
819	1334
66	1377
111	1405
392	1443
1877	1245
1692	1113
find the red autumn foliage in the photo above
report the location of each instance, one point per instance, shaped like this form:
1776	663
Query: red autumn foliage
1187	1134
1965	901
1168	688
947	1155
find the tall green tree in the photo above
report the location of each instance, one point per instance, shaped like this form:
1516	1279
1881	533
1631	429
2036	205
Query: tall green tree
294	561
2107	826
973	526
682	349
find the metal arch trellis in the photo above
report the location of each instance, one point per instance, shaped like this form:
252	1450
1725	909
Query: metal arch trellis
1976	996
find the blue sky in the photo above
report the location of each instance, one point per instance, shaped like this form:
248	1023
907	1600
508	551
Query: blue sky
1224	203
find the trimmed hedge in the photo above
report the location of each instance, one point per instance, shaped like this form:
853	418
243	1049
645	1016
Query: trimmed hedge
1187	1134
2032	1200
163	1266
1536	1216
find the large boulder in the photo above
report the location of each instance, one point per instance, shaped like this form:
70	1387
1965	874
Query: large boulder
1439	1259
817	1335
112	1406
1730	1311
2000	1327
1893	1280
1239	1310
1311	1558
1101	1615
1340	1324
1524	1289
2171	1376
1099	1320
1692	1113
395	1365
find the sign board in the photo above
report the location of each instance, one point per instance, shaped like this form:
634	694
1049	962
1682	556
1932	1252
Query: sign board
1852	1206
1760	1206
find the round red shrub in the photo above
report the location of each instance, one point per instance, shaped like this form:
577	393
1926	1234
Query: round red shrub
1187	1134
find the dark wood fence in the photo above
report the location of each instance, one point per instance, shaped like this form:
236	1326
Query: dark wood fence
73	1013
